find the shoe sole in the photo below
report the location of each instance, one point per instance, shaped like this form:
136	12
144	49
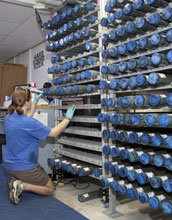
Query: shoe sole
10	185
11	192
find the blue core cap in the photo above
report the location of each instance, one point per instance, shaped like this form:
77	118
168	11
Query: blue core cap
169	35
168	142
140	22
113	68
114	84
145	158
122	49
131	175
164	120
139	100
102	84
114	135
154	100
157	140
153	79
167	13
156	59
120	31
141	80
128	9
131	46
155	182
154	203
132	64
167	185
111	102
169	56
123	155
115	152
112	34
116	118
150	120
132	194
97	172
138	4
168	163
132	82
158	160
123	136
108	165
143	198
142	178
154	18
123	83
145	139
143	42
169	99
106	134
155	39
90	88
167	207
114	186
104	22
130	27
122	189
133	137
106	150
118	13
136	119
143	61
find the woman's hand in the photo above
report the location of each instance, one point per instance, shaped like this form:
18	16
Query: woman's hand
70	112
37	97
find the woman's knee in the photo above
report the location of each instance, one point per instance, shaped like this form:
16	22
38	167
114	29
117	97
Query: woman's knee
50	186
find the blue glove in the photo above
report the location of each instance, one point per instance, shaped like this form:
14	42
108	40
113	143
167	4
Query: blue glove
37	96
70	112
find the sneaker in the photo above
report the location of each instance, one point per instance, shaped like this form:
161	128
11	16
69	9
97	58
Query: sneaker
15	188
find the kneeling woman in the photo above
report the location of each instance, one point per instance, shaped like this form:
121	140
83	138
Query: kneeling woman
21	152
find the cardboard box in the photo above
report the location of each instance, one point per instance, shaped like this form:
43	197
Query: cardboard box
11	75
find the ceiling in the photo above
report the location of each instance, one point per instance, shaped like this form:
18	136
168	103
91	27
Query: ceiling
19	29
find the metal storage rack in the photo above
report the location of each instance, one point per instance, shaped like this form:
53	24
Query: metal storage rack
162	89
82	139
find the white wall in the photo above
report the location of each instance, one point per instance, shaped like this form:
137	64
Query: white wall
40	74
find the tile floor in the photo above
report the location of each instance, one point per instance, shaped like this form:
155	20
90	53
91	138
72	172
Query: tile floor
95	210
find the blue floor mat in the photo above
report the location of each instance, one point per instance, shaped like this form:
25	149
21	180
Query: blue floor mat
32	206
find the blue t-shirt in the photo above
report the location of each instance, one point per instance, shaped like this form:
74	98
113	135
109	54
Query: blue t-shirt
22	136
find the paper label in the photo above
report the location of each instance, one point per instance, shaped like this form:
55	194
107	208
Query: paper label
110	180
86	195
130	168
161	197
121	148
166	155
121	182
120	166
129	186
150	175
87	169
151	153
114	163
139	153
130	150
151	194
139	190
163	178
162	75
139	171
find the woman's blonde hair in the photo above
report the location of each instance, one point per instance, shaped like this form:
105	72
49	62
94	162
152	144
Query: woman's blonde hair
19	97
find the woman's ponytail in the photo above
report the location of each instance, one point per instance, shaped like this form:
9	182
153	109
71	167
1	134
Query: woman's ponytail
19	97
19	110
